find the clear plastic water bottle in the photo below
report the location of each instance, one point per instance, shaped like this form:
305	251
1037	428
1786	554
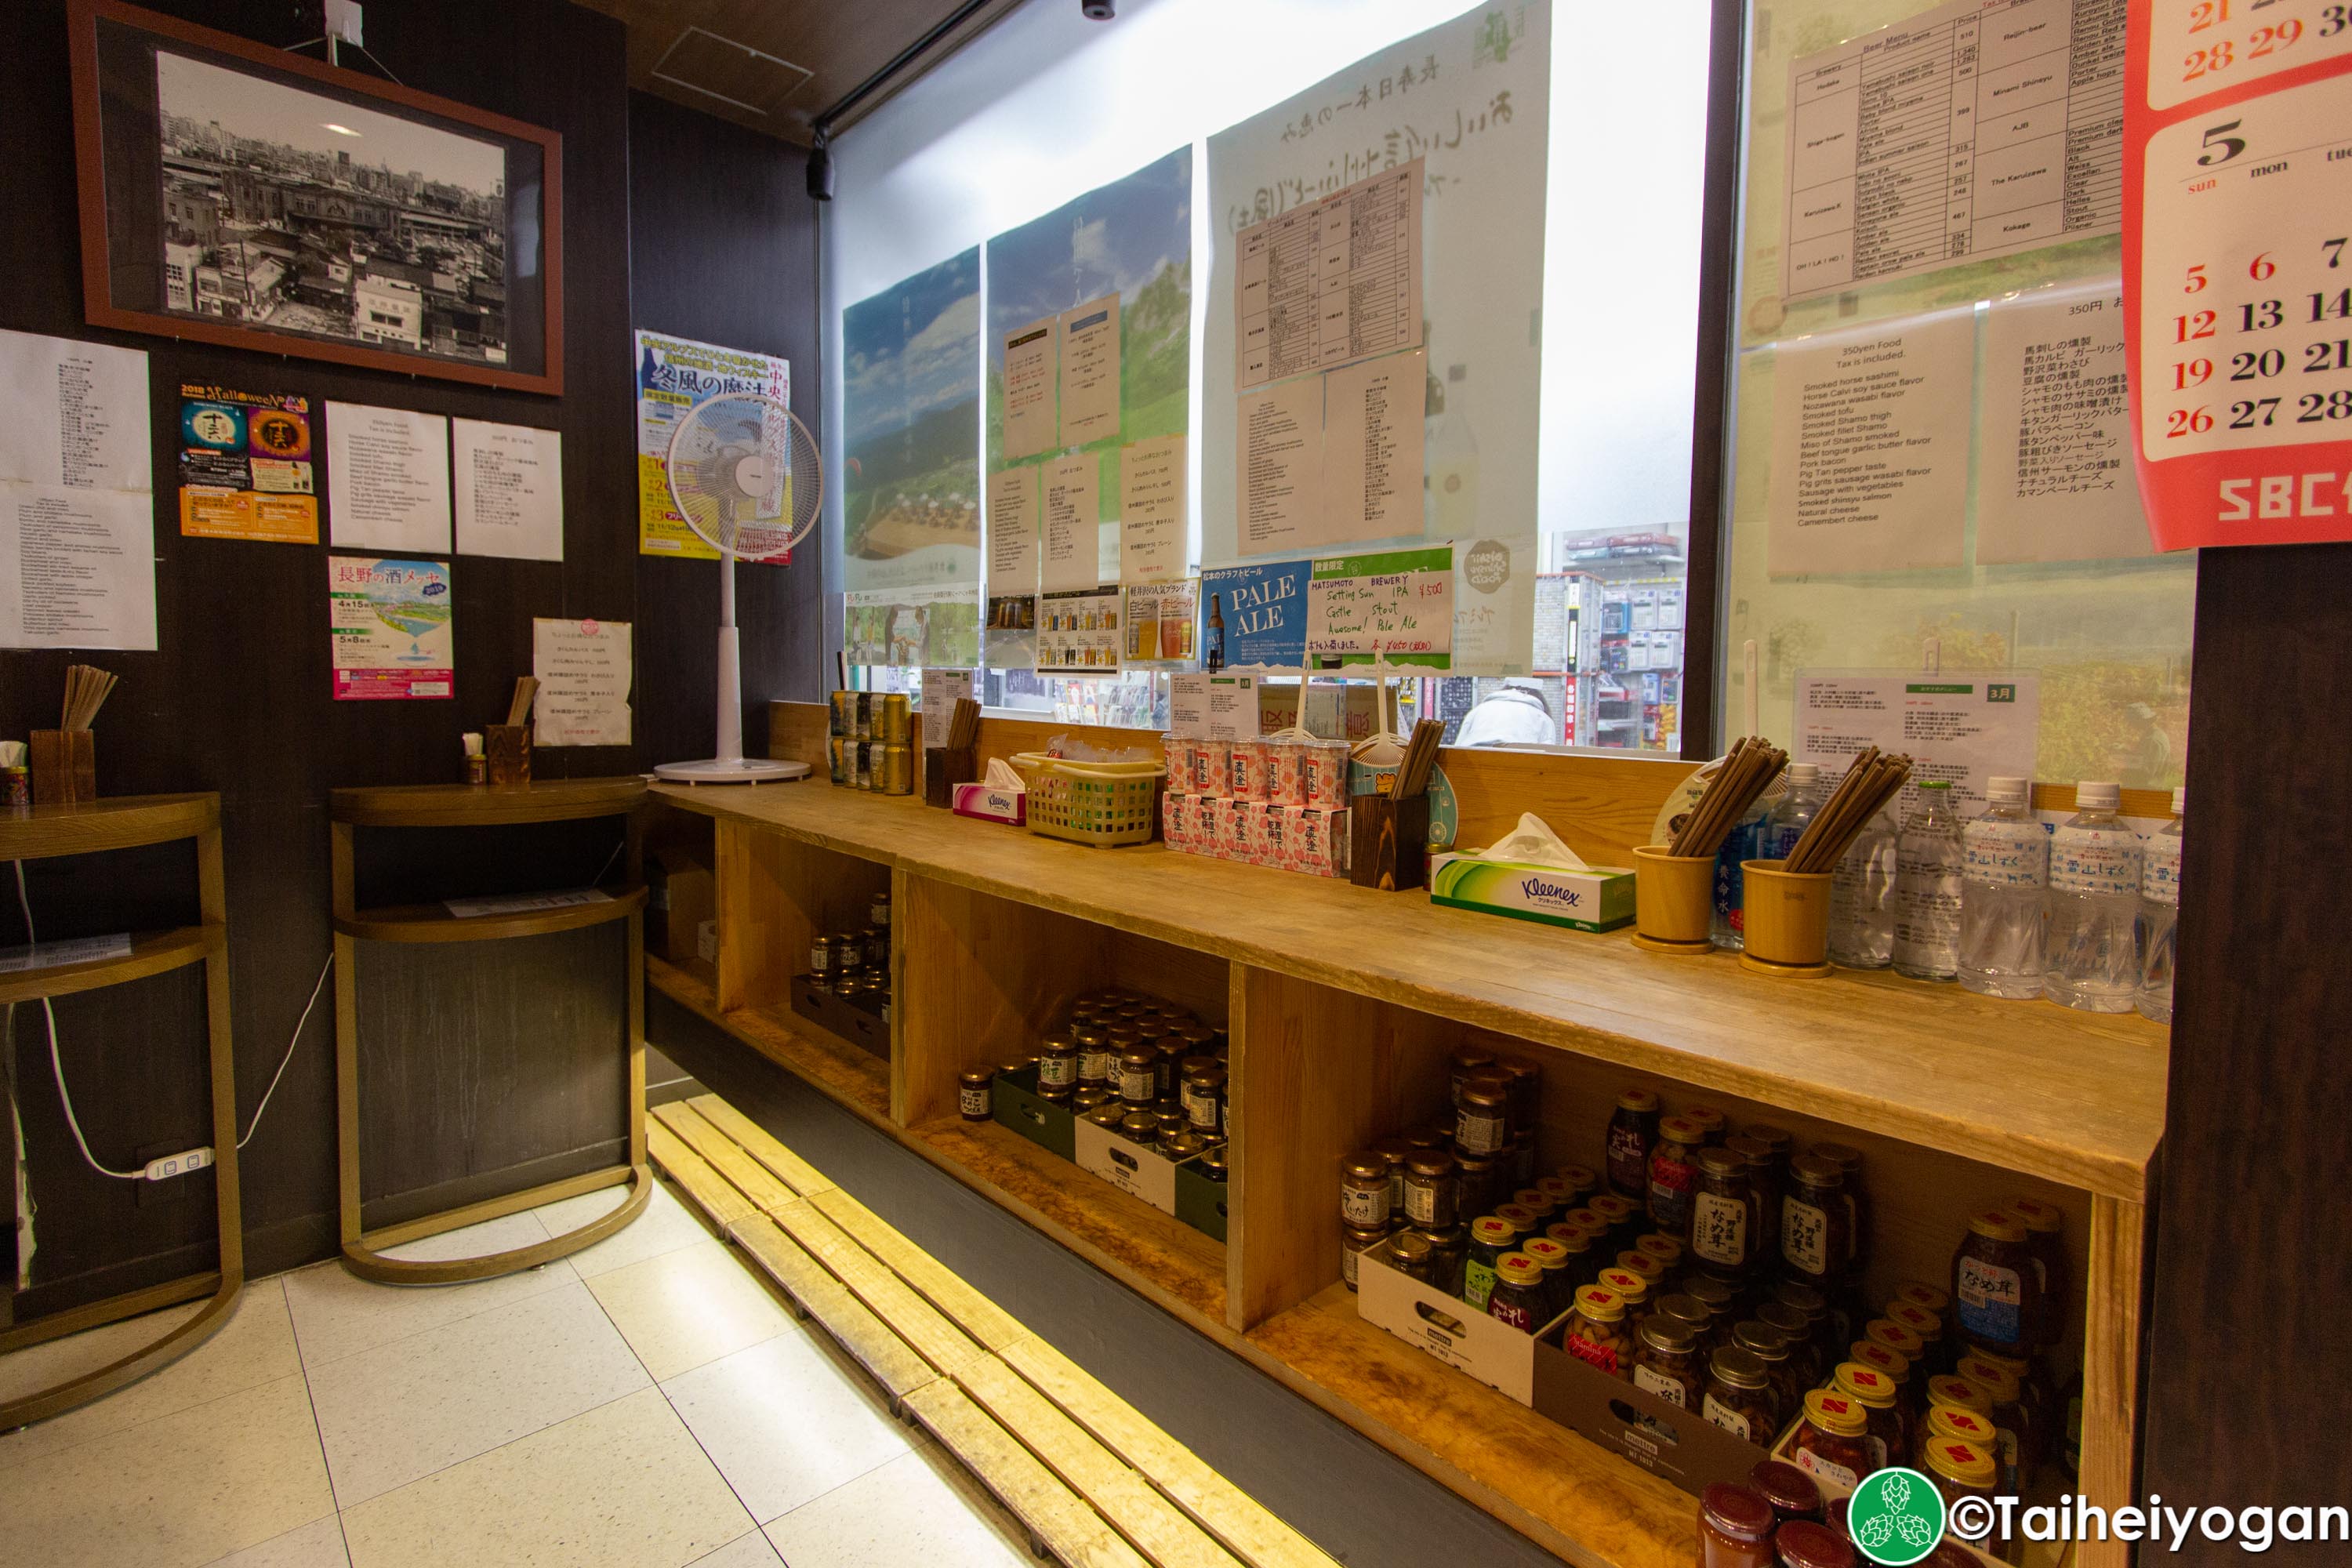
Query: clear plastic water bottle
2159	912
1861	898
1785	823
2007	855
1927	887
1744	842
2093	948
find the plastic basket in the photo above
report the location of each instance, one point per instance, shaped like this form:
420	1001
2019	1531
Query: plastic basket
1101	803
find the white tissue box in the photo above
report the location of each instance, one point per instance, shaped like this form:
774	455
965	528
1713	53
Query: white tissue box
1599	898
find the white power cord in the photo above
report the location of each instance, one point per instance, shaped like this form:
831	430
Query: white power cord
65	1096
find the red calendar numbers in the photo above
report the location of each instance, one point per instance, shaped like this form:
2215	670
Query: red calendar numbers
2198	45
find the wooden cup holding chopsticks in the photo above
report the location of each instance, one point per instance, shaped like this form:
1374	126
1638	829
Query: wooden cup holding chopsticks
958	761
64	761
1788	919
508	745
1388	835
1673	900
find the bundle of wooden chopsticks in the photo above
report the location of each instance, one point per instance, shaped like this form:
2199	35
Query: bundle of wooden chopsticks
1419	759
518	709
1751	764
87	689
1870	782
963	725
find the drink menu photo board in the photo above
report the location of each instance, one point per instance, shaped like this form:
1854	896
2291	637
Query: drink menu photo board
2238	270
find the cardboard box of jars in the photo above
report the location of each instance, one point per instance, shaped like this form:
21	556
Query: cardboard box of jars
1680	1446
1173	1187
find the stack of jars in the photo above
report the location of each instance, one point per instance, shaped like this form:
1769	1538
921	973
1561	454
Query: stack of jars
1142	1067
1434	1185
1779	1519
856	965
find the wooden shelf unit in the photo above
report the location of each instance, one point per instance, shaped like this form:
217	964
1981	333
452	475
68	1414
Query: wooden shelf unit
478	806
1343	1006
88	827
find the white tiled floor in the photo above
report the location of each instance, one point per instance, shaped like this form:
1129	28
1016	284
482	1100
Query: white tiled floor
645	1404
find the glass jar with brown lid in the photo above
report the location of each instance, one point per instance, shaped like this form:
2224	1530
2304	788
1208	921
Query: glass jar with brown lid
1725	1227
1595	1332
1673	1174
1833	1441
1395	1151
1139	1127
1428	1188
1468	1062
1109	1116
2045	1241
1364	1192
1481	1182
1792	1493
1448	1246
1168	1054
1098	1063
1666	1362
1801	1544
1764	1176
1806	1364
1739	1396
1889	1429
1632	1130
1057	1066
1735	1527
1517	1297
1816	1237
1996	1285
1690	1310
1848	1158
1213	1163
1354	1241
973	1100
1137	1083
1412	1252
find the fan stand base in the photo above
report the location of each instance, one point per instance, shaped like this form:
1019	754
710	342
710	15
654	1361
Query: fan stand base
732	771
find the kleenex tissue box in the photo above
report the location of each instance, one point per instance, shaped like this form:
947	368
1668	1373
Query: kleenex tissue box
1600	899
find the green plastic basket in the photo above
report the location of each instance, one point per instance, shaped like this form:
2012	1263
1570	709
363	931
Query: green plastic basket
1100	803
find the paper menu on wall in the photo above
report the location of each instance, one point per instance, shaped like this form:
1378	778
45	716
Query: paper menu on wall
77	415
1030	359
1334	280
1280	470
585	673
509	489
1870	455
1204	707
1968	726
1072	522
1013	530
1981	127
1372	428
77	567
387	478
941	687
1398	604
1151	511
2055	477
1089	395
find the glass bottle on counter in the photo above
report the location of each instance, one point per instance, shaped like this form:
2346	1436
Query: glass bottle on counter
2008	868
2093	950
1862	898
1927	887
2159	913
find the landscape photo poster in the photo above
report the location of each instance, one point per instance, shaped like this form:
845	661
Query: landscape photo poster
262	199
910	433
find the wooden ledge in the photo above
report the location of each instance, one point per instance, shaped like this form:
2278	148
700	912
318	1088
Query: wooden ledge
434	922
152	953
484	806
123	822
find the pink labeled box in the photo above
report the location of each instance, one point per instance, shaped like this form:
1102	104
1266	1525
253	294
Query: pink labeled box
1176	820
1247	772
1317	840
1213	769
1285	774
1270	831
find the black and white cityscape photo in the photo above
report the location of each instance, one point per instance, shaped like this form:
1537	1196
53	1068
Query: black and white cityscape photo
292	212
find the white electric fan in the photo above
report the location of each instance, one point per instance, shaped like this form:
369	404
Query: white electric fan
745	475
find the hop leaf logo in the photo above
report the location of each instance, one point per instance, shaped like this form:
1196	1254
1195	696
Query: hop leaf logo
1896	1517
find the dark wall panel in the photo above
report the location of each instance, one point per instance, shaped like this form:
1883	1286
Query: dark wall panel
238	698
723	248
2246	1349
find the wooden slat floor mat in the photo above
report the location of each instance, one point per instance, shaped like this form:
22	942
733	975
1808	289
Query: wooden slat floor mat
1096	1483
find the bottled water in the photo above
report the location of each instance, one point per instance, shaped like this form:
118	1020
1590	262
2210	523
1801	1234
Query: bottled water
1744	842
1785	822
2092	949
2008	865
2159	911
1927	887
1861	898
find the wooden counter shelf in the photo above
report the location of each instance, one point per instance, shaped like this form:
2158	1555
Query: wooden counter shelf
88	827
1343	1006
476	806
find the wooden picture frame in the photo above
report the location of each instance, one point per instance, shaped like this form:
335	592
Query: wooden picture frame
228	197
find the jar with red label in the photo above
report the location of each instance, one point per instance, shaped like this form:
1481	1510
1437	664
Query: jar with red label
1710	1122
1848	1159
1995	1285
1735	1527
1666	1362
1816	1233
1633	1260
1725	1227
1804	1544
1897	1367
1963	1469
1833	1441
1890	1431
1535	1201
1896	1340
1936	1353
1621	1215
1668	1250
2010	1418
1596	1331
1634	1292
1738	1396
1792	1493
1516	1299
1581	1182
1968	1426
1631	1131
1673	1174
1558	1288
2045	1239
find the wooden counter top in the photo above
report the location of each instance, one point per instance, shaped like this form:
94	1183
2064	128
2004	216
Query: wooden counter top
2075	1097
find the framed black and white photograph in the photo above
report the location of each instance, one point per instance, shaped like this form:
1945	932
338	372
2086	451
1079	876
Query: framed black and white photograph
263	199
